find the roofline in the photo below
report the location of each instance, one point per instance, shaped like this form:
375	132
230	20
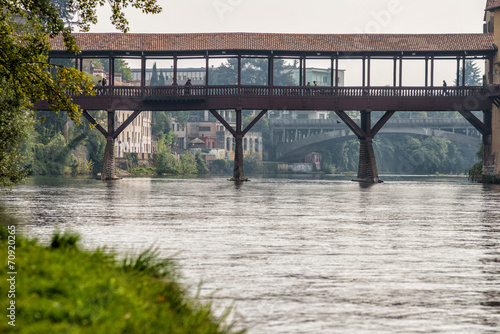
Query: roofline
355	45
277	54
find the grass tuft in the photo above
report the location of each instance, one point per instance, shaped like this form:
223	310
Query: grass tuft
61	288
66	240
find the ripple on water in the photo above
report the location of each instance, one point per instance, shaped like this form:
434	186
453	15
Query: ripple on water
300	256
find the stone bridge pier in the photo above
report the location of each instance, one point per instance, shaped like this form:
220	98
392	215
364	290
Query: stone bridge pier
367	167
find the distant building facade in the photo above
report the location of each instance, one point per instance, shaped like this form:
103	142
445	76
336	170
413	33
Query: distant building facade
204	133
136	138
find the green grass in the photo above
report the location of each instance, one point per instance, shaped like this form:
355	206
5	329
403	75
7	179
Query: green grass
142	171
61	288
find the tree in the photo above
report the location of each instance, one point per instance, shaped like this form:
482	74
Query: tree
121	66
473	75
154	77
254	71
26	28
15	123
161	79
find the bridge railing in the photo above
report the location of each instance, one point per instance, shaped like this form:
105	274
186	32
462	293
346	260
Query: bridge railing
288	91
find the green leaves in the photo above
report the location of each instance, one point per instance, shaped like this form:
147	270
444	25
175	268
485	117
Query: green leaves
26	77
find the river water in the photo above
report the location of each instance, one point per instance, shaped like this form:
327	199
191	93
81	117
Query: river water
303	254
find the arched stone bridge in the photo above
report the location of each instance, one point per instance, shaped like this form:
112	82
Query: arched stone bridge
295	138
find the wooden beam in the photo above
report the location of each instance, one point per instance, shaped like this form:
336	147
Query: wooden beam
351	124
223	121
254	121
480	126
122	127
381	122
93	122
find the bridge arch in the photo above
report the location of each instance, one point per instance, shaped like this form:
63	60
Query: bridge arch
295	150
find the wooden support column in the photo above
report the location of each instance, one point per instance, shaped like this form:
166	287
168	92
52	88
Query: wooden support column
239	70
401	71
111	73
458	71
426	71
337	72
364	72
332	73
270	71
432	71
368	79
108	165
304	69
394	73
301	79
175	70
463	71
143	71
207	66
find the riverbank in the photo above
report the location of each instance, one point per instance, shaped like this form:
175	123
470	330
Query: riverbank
62	288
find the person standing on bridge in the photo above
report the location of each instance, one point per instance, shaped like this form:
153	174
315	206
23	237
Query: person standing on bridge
187	90
445	90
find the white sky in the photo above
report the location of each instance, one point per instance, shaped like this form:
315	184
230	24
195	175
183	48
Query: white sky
315	16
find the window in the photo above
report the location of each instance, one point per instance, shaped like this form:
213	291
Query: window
204	128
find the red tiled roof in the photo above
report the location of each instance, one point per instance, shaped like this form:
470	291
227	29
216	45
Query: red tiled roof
280	42
492	4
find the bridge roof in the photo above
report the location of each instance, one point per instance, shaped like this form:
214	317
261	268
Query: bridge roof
98	43
492	4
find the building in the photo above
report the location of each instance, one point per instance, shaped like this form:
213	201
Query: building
204	133
196	74
136	138
323	78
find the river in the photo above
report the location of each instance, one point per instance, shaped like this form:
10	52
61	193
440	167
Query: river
299	254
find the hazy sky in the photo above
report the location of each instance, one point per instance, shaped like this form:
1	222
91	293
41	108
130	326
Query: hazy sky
314	16
319	16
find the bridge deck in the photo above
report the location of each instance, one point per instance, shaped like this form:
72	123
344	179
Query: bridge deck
172	98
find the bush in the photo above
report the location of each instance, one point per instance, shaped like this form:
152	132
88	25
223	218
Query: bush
166	163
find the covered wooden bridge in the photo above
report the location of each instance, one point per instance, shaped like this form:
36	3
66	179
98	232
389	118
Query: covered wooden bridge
240	92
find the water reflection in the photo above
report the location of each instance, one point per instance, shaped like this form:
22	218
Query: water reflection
299	255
